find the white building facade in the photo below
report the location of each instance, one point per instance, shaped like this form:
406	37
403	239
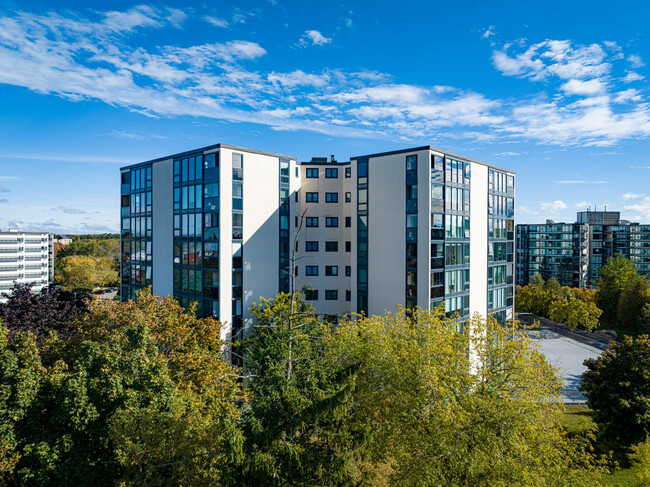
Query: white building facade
217	226
25	258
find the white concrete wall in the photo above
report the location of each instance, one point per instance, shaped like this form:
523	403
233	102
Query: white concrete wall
478	246
162	187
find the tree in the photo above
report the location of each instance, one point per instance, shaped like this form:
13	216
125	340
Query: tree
575	313
617	387
297	428
40	313
533	299
613	277
86	272
141	397
634	303
479	406
536	280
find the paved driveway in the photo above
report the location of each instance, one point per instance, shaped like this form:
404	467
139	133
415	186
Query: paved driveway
567	355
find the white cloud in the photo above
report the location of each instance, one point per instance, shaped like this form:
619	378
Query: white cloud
216	21
68	210
525	210
632	196
578	87
641	208
488	32
315	37
507	153
553	206
9	178
89	58
632	76
583	204
635	61
580	181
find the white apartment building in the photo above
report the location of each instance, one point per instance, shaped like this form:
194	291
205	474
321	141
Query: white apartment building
25	258
217	225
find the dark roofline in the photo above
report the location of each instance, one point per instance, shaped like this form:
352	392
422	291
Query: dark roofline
432	148
335	163
203	149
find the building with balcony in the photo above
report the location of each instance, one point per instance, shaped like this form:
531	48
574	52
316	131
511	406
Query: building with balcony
573	253
222	226
25	258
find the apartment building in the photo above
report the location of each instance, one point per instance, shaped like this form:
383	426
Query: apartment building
219	226
25	258
555	250
573	253
324	245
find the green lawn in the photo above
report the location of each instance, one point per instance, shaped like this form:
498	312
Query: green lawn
578	418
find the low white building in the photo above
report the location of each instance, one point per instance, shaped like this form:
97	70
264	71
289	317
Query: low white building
25	258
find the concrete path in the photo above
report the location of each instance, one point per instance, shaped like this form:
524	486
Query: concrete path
568	356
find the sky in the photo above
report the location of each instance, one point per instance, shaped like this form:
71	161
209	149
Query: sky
557	91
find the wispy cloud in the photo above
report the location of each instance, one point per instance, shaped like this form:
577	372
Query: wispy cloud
315	38
68	210
553	206
97	57
632	196
123	134
68	158
9	178
216	21
580	181
488	32
507	154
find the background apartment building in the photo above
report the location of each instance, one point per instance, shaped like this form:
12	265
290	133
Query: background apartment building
574	253
25	258
217	226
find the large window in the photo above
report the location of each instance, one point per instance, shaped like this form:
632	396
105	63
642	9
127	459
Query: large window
331	246
331	270
311	246
311	270
331	197
311	197
311	221
331	221
331	295
331	172
311	172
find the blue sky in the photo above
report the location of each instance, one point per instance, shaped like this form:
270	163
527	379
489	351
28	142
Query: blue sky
557	91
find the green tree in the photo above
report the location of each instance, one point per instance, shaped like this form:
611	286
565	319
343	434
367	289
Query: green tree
297	427
617	387
575	313
534	299
536	280
545	270
613	277
140	396
86	272
634	303
475	406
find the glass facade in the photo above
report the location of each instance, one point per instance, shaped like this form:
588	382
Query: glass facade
411	231
136	229
362	236
456	234
501	237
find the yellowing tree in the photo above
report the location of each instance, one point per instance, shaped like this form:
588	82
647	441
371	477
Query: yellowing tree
85	272
456	405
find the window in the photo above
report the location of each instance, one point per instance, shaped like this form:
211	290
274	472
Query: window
312	221
348	246
348	271
330	221
331	295
331	246
311	270
331	172
311	197
331	270
311	246
348	197
311	294
331	197
312	172
348	295
348	172
348	221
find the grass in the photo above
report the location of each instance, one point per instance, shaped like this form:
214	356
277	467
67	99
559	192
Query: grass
579	418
